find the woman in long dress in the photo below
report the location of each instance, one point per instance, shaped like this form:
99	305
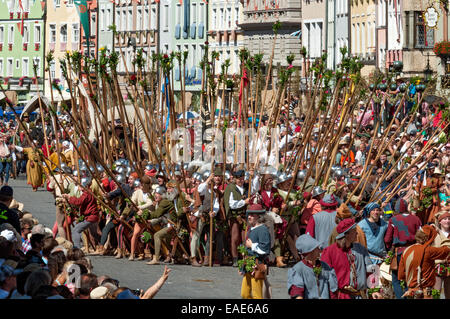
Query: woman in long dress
34	167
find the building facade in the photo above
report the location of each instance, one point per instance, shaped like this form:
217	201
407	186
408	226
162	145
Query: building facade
136	25
22	45
313	30
419	40
337	32
258	19
62	31
189	33
225	35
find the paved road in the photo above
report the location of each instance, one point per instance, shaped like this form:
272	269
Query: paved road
184	281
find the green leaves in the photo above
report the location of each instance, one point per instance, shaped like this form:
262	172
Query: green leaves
276	26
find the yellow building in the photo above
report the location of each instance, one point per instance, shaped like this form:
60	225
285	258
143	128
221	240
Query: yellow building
362	33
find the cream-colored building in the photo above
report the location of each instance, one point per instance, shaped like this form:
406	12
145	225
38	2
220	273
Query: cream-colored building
62	34
224	34
362	33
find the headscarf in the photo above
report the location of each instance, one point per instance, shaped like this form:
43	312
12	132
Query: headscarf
370	207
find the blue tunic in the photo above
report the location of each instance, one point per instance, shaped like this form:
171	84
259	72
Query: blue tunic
303	276
375	238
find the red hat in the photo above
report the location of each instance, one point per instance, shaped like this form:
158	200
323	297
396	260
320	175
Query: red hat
256	209
344	226
151	172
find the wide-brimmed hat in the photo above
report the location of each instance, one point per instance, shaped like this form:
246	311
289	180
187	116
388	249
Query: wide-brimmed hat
306	244
256	209
328	201
344	226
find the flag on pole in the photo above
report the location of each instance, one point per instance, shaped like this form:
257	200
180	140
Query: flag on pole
166	94
82	9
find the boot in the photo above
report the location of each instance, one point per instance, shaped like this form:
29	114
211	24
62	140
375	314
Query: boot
280	263
131	258
194	262
235	264
205	261
147	253
154	261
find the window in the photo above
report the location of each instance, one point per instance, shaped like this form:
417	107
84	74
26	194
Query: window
26	34
118	24
166	17
63	33
70	3
57	3
153	18
124	19
37	34
53	69
52	30
37	64
214	19
11	34
1	67
2	34
424	38
75	32
139	19
93	25
26	5
9	67
228	19
102	20
17	64
178	14
107	19
25	67
130	19
221	19
194	13
201	13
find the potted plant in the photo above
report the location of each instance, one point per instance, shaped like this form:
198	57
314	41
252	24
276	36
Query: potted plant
10	46
36	46
25	46
442	48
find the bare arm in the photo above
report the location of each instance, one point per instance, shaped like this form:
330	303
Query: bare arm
153	290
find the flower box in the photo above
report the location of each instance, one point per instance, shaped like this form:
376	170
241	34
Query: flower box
11	15
18	15
10	46
25	46
36	46
25	15
1	46
442	48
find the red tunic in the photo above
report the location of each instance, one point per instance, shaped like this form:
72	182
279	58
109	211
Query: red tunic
337	259
88	206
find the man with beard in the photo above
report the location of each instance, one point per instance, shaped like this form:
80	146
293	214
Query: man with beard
169	210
